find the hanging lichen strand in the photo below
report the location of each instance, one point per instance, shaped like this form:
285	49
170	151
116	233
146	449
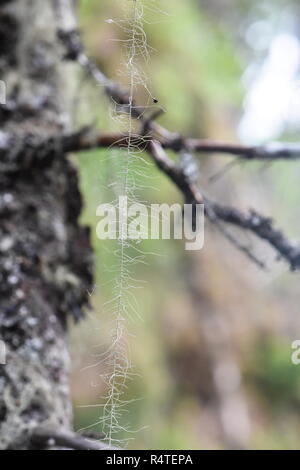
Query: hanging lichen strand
121	308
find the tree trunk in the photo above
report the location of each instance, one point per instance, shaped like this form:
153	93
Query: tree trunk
45	256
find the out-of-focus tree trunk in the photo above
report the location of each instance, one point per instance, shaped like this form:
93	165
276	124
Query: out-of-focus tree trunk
45	255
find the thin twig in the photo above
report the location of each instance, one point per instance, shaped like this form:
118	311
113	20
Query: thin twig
261	226
44	438
272	151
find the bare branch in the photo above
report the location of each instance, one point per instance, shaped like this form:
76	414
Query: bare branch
158	138
271	151
44	438
262	227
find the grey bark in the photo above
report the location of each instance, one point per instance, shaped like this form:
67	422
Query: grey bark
45	256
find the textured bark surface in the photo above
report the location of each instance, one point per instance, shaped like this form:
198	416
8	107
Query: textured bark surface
45	256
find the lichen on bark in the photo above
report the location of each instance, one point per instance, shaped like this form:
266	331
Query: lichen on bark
45	255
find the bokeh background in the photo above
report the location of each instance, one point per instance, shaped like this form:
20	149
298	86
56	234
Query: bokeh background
212	346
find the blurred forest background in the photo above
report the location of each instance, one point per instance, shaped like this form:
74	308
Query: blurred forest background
212	349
